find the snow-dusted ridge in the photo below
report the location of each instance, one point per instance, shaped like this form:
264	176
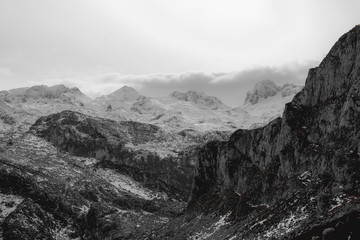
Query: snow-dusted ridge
177	111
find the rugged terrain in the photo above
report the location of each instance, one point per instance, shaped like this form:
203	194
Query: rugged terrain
76	168
74	175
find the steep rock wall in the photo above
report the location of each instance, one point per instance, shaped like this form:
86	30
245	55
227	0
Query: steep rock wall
317	138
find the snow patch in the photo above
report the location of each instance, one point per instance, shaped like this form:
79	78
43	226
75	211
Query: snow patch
126	183
286	225
208	232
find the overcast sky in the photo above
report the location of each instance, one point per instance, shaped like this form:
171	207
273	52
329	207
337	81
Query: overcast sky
221	47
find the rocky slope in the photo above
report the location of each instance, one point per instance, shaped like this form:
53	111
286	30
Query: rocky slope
295	178
48	194
73	176
158	159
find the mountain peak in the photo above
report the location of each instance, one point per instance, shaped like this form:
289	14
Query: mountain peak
125	93
337	72
263	89
267	88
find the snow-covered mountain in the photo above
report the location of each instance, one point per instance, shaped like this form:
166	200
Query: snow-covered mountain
177	111
267	89
19	108
46	95
121	98
266	101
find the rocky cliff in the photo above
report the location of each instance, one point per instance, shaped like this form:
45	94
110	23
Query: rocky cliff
297	177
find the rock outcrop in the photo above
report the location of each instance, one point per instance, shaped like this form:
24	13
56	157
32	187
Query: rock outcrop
298	175
158	159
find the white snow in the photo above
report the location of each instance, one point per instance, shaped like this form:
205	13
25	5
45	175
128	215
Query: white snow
286	225
208	232
126	183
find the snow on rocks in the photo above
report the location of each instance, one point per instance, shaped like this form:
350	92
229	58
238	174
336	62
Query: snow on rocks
8	204
207	233
286	225
126	183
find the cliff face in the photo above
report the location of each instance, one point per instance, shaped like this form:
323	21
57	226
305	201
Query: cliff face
318	131
305	165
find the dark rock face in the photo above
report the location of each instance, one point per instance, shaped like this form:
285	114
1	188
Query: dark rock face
306	164
29	221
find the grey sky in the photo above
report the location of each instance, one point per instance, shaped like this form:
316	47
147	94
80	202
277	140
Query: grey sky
102	45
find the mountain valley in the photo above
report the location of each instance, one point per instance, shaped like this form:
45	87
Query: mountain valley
283	165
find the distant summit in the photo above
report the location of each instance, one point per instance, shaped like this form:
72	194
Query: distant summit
122	98
125	93
45	94
199	98
268	88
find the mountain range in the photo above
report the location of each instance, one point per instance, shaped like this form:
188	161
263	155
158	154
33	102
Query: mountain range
177	111
283	165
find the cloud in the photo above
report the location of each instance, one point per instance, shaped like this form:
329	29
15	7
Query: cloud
230	87
6	71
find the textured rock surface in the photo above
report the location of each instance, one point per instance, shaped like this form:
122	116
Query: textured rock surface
158	159
297	176
58	196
